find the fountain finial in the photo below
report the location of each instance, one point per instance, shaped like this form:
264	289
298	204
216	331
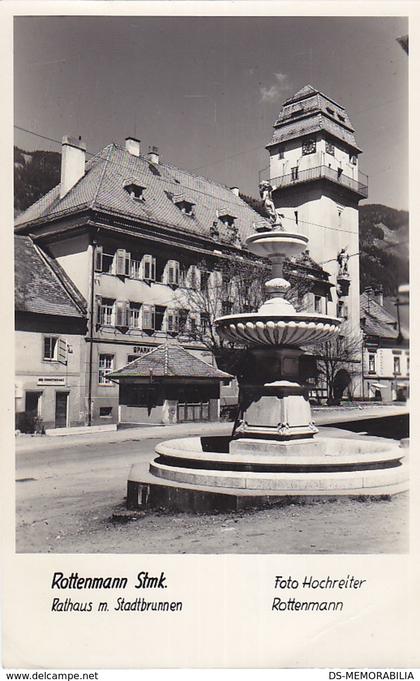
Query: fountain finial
273	214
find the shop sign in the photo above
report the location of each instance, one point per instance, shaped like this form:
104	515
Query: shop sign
51	380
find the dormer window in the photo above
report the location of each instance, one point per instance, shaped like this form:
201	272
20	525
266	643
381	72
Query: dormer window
308	146
185	205
341	118
135	191
353	159
227	219
330	111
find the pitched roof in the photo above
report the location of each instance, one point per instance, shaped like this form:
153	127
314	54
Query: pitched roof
38	288
378	322
309	111
169	360
103	187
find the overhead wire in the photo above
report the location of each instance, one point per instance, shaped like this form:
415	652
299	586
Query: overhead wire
120	165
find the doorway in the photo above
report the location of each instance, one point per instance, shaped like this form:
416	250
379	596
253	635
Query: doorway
61	409
32	403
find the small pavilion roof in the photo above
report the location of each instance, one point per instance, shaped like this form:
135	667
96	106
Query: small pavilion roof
169	360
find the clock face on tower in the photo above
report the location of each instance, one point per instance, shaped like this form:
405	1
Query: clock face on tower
308	146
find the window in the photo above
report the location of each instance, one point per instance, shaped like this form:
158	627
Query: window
106	364
185	206
342	119
227	219
330	148
98	259
408	366
294	172
296	217
105	311
397	365
131	358
353	159
281	153
172	273
342	310
50	348
172	321
135	191
330	111
133	315
204	280
105	412
204	322
308	146
135	269
194	322
149	268
317	303
148	318
122	263
372	364
226	307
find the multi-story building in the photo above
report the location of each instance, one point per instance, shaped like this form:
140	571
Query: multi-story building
141	240
50	346
386	353
317	185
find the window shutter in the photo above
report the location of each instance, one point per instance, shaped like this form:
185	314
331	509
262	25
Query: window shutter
154	269
148	314
62	351
120	262
98	259
149	268
121	313
99	311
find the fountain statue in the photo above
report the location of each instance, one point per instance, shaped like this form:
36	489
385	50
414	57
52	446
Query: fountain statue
274	453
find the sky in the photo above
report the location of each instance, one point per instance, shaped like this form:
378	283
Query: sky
207	90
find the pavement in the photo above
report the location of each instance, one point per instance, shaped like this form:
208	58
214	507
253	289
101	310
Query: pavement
321	415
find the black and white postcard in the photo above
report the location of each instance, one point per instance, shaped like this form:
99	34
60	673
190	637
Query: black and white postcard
206	365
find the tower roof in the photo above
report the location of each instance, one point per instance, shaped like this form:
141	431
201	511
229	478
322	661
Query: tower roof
310	111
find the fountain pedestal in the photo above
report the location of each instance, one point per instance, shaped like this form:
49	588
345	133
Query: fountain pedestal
272	402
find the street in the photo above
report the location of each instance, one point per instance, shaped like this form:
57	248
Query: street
66	496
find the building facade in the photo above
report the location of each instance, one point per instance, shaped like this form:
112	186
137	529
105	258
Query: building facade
142	241
386	352
50	347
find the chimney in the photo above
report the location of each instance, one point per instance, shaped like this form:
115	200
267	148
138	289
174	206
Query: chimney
73	157
235	190
379	295
132	145
153	155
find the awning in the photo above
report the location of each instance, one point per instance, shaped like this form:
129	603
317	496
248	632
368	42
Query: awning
378	385
402	385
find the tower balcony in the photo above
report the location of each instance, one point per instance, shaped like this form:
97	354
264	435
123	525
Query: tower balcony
322	172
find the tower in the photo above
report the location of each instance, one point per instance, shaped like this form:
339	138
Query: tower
316	184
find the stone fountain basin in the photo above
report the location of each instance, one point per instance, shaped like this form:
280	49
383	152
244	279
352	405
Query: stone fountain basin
294	329
343	466
276	242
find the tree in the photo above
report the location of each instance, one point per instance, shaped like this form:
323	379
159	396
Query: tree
338	361
232	286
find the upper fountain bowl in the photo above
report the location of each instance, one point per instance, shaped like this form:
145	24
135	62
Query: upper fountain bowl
276	243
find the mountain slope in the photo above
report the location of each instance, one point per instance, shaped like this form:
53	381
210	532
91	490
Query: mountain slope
35	173
384	247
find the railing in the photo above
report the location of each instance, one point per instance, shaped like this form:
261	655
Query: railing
321	172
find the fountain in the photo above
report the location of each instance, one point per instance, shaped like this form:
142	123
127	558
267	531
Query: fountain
273	455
